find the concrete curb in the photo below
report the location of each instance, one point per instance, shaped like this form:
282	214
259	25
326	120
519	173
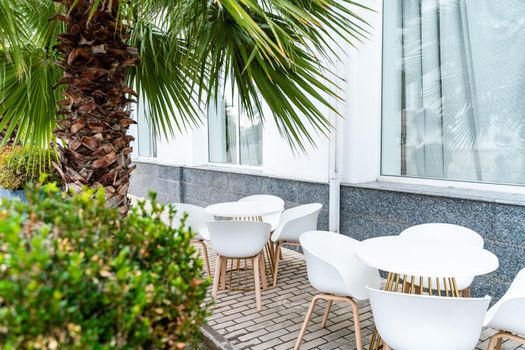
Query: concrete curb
214	340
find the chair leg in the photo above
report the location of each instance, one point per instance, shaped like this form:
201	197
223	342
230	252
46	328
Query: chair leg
496	339
498	343
276	262
326	313
271	249
224	263
218	270
263	272
205	252
306	320
256	277
357	324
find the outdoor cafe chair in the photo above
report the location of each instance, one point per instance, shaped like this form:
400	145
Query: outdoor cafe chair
508	314
337	274
294	222
196	220
239	240
416	322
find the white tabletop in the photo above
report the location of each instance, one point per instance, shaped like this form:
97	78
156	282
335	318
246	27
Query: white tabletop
244	209
425	258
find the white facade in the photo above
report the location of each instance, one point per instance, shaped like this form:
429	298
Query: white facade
359	133
356	143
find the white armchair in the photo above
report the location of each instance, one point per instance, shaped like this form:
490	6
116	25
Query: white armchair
337	274
508	314
294	222
197	220
239	240
416	322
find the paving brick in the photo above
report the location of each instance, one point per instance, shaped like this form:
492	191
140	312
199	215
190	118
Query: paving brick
252	335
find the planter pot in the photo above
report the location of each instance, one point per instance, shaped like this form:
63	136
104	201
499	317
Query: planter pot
5	193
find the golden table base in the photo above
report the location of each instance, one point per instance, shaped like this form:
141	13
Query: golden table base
445	287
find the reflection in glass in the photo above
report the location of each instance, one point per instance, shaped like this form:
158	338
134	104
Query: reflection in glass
146	141
222	132
453	80
251	140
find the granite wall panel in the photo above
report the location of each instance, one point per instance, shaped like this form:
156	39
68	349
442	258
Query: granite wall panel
365	213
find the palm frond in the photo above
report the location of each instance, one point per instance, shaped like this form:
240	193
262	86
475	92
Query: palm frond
275	52
28	98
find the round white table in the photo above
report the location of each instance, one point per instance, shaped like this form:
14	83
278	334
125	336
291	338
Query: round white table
414	265
245	209
425	258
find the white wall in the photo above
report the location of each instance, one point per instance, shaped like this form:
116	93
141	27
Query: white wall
359	143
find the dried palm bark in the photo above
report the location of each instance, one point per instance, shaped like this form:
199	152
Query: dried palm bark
96	104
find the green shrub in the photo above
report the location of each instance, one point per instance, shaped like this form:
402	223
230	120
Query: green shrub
75	274
21	165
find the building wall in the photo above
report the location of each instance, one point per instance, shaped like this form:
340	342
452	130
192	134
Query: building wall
358	125
371	204
366	210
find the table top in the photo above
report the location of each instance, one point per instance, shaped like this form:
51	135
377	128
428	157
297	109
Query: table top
244	209
425	258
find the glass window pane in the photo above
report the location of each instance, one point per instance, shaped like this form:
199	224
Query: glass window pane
147	144
453	77
251	140
222	131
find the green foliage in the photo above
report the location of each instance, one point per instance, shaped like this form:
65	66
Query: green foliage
75	274
20	166
273	51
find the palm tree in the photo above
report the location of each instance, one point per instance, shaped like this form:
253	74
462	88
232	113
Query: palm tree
70	70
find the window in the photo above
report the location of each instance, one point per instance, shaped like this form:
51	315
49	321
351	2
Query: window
147	143
233	137
453	82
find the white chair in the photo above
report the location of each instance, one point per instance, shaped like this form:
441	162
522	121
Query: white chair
294	222
508	314
196	221
416	322
239	240
453	235
271	219
337	274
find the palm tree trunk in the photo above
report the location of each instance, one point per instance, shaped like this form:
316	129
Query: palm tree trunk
96	148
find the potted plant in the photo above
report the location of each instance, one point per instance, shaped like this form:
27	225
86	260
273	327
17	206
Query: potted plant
20	166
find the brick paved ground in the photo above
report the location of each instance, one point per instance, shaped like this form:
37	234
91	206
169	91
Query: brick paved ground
284	307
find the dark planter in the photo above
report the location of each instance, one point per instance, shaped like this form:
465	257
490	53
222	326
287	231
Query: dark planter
5	193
